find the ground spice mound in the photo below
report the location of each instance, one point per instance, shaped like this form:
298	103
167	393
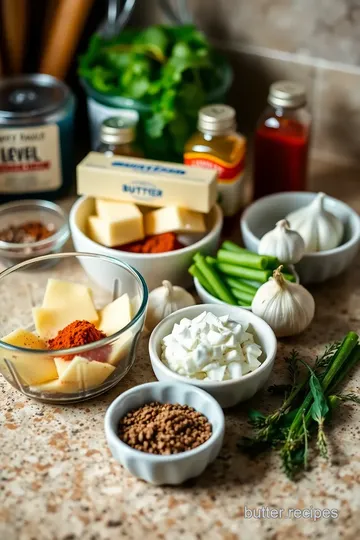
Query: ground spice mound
76	334
159	243
30	231
159	428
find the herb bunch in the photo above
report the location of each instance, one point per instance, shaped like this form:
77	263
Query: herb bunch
169	69
308	401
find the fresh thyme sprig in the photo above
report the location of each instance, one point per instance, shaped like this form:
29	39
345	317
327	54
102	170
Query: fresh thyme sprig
306	405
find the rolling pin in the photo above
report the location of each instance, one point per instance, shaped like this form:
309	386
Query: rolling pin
14	15
64	35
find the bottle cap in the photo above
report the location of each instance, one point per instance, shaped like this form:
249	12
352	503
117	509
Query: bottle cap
287	94
217	119
117	130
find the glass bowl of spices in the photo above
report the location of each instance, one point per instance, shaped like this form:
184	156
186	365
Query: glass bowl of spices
31	228
67	335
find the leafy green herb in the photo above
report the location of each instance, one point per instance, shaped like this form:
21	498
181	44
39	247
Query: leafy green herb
171	70
307	405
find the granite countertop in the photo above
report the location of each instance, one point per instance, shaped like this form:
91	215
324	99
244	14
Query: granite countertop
58	480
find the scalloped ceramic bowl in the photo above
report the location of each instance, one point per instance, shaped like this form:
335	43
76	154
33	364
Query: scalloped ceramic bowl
261	216
165	469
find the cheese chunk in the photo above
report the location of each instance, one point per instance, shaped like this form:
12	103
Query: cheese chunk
121	348
56	387
114	210
173	219
85	373
70	296
115	315
48	322
31	368
116	233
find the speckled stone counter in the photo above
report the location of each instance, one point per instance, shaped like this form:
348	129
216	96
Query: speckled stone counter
59	481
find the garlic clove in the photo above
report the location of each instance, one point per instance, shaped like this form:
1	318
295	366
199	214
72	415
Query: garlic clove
164	300
320	229
284	243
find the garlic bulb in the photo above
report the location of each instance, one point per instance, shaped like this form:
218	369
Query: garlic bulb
287	307
283	243
319	229
165	300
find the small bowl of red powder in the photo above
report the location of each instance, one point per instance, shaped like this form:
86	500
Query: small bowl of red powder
31	228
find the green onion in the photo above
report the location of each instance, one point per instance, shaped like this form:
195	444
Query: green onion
244	297
242	272
271	262
212	276
195	272
240	285
250	260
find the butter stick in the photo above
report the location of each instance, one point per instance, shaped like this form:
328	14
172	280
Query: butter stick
147	182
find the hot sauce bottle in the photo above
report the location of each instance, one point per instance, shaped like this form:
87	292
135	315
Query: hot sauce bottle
217	145
282	141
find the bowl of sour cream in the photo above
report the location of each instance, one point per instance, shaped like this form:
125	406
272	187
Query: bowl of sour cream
225	350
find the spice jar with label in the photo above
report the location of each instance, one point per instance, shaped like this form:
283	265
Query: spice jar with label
117	138
217	145
36	137
282	141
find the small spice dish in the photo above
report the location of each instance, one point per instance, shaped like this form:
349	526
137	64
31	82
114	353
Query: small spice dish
261	216
227	393
165	469
48	214
208	298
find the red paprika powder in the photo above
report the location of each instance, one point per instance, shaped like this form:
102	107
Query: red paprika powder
75	334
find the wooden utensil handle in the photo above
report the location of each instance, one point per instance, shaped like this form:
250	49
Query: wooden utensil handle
64	35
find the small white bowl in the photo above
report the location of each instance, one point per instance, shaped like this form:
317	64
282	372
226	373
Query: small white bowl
227	393
208	298
165	469
154	267
261	216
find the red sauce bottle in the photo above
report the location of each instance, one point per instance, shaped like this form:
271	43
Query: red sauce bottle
282	141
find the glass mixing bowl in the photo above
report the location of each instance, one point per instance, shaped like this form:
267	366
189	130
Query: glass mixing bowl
22	287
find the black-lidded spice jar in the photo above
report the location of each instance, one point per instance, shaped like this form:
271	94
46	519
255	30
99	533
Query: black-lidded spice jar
36	137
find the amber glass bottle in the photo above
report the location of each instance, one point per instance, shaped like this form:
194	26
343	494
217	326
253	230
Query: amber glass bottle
217	145
117	137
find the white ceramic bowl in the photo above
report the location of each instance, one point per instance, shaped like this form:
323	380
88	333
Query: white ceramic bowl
154	267
208	298
165	469
227	393
262	215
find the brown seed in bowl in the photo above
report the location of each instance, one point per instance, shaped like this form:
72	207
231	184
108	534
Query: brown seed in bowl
164	428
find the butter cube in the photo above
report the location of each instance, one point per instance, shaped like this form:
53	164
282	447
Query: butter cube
31	368
114	210
48	322
121	348
116	233
56	387
115	315
84	373
70	296
174	219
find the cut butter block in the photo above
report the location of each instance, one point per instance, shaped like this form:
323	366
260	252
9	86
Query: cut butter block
147	182
48	322
120	348
31	368
57	387
115	210
174	219
115	315
116	233
85	373
73	298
